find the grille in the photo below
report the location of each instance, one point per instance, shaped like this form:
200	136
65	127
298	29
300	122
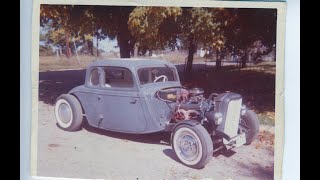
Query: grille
232	118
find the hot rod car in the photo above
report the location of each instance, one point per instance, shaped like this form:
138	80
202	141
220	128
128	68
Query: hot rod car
145	96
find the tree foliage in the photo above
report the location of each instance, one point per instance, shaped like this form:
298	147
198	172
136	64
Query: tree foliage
160	27
241	31
202	27
146	25
253	32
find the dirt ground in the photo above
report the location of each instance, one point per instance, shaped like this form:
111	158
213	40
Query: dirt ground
93	153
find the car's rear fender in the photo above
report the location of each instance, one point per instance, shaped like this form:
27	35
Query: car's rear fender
75	92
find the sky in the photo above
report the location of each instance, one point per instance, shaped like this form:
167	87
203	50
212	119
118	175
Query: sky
107	44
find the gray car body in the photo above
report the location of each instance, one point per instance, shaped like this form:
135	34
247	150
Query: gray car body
129	110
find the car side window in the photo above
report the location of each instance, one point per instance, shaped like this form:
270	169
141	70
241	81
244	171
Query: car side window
94	77
118	77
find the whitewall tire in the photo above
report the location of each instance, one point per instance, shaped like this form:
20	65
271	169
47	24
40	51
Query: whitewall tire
192	145
68	112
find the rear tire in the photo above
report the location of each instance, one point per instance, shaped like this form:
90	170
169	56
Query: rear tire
250	120
192	145
68	112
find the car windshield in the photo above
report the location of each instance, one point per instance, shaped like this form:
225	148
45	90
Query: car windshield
156	74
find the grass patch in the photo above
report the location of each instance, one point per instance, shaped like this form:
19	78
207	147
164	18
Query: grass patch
51	63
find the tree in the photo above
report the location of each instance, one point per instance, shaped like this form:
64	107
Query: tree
111	22
86	22
159	27
154	28
253	32
58	16
201	27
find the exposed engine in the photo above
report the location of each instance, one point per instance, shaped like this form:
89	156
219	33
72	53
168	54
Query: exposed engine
219	114
187	103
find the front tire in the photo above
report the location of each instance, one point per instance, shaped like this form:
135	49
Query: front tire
68	112
192	145
249	124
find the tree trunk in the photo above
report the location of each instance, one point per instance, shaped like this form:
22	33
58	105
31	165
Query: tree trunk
57	53
124	36
191	50
124	50
274	53
76	50
244	60
98	46
60	50
90	47
218	60
68	50
136	50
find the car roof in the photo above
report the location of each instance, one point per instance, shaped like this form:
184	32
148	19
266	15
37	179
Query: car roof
129	62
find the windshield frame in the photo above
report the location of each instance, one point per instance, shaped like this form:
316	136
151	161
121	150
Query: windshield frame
172	68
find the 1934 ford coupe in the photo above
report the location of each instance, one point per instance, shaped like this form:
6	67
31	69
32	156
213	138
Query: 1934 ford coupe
145	96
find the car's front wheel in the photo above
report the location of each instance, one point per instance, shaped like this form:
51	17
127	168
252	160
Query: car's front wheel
249	124
68	112
192	145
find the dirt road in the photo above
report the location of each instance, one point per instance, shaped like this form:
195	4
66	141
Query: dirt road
92	153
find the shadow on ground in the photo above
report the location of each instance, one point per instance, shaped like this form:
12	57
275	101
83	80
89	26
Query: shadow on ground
245	168
257	87
162	138
54	83
255	84
170	153
261	172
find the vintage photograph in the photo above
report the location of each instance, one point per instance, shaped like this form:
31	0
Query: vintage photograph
157	92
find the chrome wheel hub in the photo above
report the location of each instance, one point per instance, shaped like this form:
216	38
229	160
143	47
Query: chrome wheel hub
65	112
188	147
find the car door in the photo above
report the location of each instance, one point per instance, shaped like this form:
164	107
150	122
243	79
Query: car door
90	97
121	104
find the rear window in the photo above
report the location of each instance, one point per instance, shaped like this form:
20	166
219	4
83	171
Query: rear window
118	77
94	77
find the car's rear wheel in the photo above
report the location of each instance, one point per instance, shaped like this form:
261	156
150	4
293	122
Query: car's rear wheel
68	112
192	145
